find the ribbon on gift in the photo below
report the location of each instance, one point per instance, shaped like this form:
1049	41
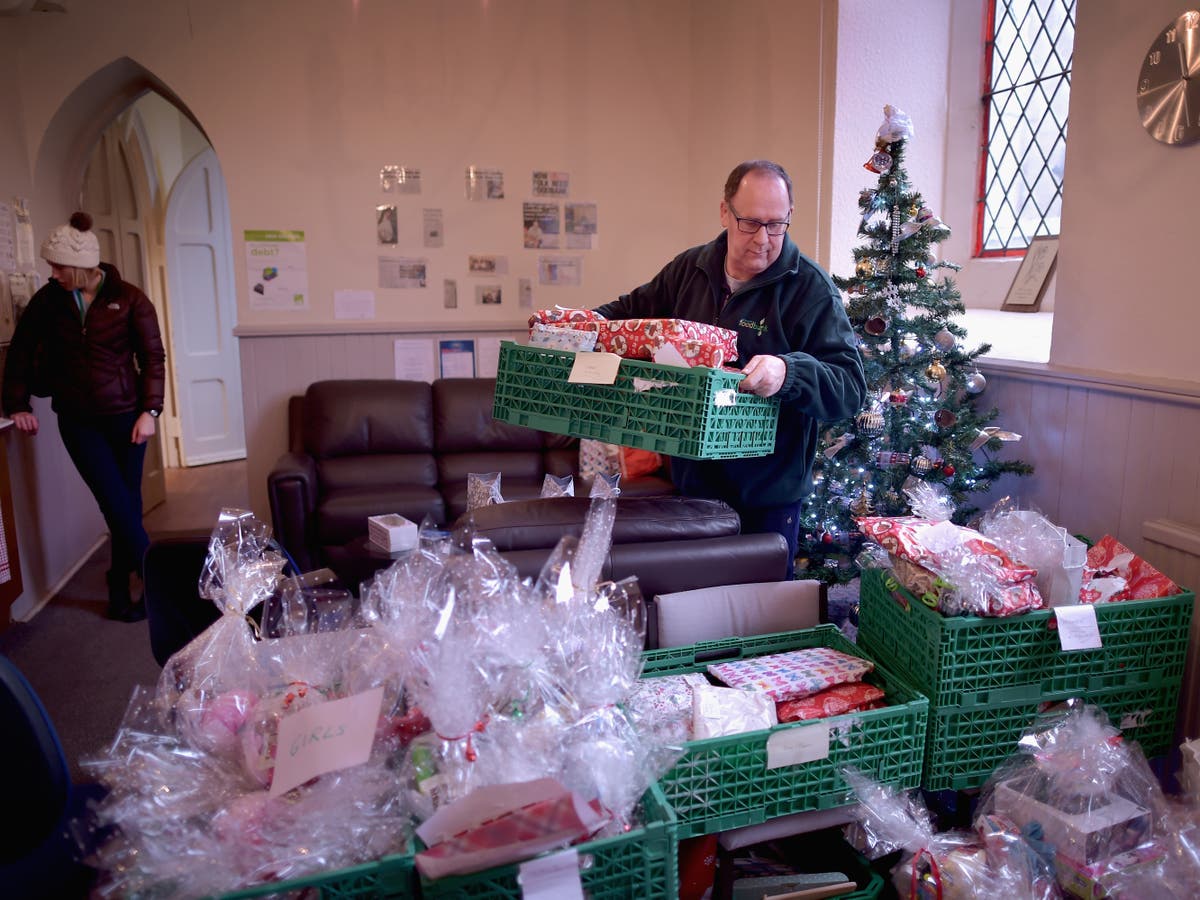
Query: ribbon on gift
986	434
924	219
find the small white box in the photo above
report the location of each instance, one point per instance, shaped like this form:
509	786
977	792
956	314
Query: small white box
392	532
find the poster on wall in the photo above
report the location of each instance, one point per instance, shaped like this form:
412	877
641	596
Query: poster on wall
485	184
457	358
561	271
277	269
401	272
400	180
579	221
540	223
433	232
386	224
551	184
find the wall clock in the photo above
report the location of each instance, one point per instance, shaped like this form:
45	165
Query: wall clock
1168	91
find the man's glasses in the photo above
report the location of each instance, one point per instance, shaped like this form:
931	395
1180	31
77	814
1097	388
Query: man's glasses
751	226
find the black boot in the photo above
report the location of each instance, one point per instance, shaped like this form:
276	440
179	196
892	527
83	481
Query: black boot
121	606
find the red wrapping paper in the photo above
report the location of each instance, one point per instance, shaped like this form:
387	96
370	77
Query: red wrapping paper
1109	562
698	343
835	701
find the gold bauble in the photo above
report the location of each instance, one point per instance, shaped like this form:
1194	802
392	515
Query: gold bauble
936	371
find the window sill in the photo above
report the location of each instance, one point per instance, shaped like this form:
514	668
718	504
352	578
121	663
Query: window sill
1013	335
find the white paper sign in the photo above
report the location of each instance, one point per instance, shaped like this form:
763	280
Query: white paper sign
324	738
354	304
794	746
1077	627
594	368
553	877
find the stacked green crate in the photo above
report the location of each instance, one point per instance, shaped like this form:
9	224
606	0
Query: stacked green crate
696	413
390	878
989	678
729	782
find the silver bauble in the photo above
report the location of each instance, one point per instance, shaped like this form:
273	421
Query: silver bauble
944	340
975	383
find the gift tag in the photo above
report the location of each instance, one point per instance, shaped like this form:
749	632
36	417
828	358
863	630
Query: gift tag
552	877
324	738
594	368
1077	627
794	746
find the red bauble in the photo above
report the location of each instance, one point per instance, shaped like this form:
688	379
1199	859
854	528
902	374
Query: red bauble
920	271
948	470
827	538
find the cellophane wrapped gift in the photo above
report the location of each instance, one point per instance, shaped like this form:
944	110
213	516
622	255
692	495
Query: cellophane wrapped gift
951	865
985	580
519	680
699	343
190	808
1027	535
1096	810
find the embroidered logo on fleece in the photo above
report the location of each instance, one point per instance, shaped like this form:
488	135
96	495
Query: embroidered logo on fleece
759	327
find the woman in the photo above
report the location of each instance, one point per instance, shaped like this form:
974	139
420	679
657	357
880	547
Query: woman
90	342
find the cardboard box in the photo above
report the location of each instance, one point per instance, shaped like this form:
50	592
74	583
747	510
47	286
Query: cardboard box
392	532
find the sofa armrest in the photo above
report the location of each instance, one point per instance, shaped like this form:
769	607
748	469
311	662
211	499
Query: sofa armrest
292	490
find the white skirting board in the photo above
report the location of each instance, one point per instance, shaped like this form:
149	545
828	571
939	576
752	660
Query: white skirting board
1173	548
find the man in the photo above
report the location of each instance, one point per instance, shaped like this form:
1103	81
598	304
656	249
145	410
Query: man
794	342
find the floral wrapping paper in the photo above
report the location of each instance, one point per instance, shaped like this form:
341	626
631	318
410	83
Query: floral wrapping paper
834	701
663	706
1114	572
792	675
698	343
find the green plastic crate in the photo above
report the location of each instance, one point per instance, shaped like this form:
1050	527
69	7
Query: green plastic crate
971	660
698	413
724	782
390	878
965	745
641	863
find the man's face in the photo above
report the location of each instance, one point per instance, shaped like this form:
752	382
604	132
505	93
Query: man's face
761	196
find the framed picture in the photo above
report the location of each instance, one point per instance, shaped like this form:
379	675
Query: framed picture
1029	286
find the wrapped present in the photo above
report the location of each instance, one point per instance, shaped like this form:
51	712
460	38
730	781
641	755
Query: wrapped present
795	674
663	706
718	711
699	343
834	701
986	580
1114	572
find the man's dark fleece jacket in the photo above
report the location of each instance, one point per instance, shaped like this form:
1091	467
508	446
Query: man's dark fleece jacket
792	310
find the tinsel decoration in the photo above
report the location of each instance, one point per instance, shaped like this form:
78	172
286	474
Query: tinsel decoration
895	229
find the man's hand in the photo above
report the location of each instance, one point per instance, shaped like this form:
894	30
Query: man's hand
26	422
143	429
764	375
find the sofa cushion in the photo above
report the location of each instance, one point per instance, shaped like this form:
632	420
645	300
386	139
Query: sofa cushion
533	524
365	416
511	488
462	419
342	515
711	613
377	470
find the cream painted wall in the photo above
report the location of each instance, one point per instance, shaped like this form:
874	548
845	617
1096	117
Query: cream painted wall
889	58
1127	282
57	521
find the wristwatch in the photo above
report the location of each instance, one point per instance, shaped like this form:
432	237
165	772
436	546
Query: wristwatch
154	413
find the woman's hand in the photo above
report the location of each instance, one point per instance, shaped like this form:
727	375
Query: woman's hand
26	422
143	428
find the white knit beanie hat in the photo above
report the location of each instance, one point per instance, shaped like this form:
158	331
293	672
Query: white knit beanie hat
73	244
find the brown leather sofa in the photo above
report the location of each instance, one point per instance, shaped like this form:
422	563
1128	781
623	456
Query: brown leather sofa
369	447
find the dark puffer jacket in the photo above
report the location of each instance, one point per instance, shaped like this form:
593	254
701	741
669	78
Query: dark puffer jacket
111	363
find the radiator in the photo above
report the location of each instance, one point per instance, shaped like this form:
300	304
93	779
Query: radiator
1174	549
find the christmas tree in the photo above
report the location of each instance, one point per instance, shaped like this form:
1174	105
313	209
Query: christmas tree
921	420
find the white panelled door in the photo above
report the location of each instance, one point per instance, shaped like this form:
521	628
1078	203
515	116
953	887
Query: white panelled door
203	313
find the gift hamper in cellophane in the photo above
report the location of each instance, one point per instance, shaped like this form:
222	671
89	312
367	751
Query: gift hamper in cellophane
742	779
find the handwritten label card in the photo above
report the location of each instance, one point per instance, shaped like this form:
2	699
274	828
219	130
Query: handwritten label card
793	746
1077	627
551	877
595	368
324	738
